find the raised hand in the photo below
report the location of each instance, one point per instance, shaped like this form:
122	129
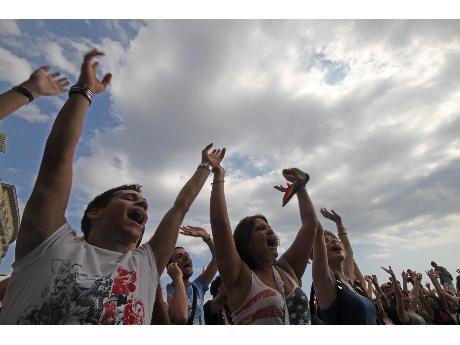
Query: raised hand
194	231
331	215
389	271
368	278
88	73
432	274
214	157
42	84
174	271
405	276
374	279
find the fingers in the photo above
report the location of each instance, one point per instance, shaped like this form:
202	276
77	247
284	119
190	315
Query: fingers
206	149
222	153
91	54
106	80
43	68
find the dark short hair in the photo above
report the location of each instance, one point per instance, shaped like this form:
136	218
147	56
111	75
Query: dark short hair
172	255
102	200
242	238
214	288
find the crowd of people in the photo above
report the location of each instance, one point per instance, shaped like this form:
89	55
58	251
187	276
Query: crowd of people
108	276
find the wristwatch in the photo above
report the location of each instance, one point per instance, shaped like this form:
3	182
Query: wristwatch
205	165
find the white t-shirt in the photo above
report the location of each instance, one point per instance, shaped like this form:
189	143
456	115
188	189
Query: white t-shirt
65	280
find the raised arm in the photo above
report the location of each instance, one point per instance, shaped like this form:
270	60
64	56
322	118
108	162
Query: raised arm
348	268
195	231
44	211
160	309
296	257
415	293
178	303
323	280
379	293
165	237
38	84
433	275
236	276
402	314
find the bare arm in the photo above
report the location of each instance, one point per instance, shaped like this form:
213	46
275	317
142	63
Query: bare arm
348	268
433	275
296	257
178	303
160	309
236	276
415	293
369	286
379	292
165	237
44	211
402	314
196	231
38	84
323	281
358	275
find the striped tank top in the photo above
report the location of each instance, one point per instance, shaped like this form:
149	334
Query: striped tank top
264	305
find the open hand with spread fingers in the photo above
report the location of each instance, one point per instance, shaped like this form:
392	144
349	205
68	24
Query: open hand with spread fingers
389	271
88	76
214	157
331	216
194	231
41	83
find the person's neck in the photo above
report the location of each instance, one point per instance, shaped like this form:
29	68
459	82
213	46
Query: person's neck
337	269
265	269
113	246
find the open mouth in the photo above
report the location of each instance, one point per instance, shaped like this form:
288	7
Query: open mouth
272	242
187	265
136	216
336	248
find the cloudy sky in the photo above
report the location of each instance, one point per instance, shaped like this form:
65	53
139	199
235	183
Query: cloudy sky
370	109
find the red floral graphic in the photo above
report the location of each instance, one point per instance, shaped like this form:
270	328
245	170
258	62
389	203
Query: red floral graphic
124	283
109	314
134	313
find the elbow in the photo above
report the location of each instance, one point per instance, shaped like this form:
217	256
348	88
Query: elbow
179	318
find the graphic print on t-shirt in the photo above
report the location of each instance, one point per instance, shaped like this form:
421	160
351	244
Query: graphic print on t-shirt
68	299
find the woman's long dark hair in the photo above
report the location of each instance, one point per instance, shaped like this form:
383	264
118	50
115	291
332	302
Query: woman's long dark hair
242	238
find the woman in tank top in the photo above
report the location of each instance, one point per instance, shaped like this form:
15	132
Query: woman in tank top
338	302
261	288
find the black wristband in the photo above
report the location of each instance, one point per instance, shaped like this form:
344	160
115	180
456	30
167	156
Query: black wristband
22	90
82	90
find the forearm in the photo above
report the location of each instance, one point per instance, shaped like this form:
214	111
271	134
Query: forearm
323	282
348	262
211	268
369	289
405	285
357	274
160	311
178	304
227	258
11	101
440	292
298	254
165	237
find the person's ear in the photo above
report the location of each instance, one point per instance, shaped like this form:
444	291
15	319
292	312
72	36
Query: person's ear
95	213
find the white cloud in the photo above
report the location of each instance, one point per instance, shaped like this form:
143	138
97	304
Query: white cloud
256	88
32	113
9	27
57	58
13	69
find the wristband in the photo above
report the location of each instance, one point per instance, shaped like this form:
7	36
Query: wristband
205	165
82	90
22	90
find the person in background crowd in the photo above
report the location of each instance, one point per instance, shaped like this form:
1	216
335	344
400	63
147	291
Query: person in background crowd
186	298
216	311
444	276
39	84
